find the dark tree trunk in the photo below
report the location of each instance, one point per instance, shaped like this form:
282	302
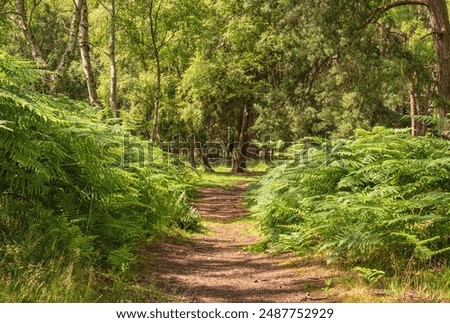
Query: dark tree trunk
241	141
205	161
441	35
203	151
191	152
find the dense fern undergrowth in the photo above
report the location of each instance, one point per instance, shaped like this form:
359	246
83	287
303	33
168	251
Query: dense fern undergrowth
378	202
75	199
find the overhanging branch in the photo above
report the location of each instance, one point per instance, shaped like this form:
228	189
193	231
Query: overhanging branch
378	12
401	3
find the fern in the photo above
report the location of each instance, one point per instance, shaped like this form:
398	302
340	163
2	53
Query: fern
70	189
372	276
384	204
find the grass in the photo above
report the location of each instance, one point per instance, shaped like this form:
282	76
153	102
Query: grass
52	282
351	287
223	177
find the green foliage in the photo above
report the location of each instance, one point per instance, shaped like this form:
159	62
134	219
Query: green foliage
190	221
377	200
372	276
75	192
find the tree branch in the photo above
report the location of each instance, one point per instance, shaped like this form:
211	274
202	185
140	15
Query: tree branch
22	22
393	5
105	7
402	3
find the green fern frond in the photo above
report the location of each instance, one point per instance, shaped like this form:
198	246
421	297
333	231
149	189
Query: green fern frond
384	204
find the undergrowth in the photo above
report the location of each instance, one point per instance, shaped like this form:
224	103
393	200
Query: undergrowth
77	194
378	202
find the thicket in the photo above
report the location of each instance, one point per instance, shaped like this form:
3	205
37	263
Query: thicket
378	202
76	194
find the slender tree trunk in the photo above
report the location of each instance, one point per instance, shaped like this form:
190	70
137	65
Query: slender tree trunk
241	141
155	131
154	13
192	151
85	56
112	62
205	160
413	110
22	21
426	109
441	34
66	58
36	52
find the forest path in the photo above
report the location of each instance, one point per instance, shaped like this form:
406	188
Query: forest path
213	267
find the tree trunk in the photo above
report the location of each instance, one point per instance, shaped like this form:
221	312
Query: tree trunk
192	151
426	109
441	35
85	56
205	160
154	13
413	110
22	21
66	58
155	132
241	141
112	62
36	52
440	26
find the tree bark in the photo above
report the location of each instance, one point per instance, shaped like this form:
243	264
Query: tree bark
85	56
112	62
441	35
70	48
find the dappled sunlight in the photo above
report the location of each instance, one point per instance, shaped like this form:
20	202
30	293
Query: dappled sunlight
215	268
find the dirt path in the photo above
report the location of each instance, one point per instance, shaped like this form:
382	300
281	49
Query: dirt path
213	267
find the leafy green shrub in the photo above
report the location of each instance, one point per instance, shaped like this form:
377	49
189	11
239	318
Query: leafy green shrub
378	200
74	189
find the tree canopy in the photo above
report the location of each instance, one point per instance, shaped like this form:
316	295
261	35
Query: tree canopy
198	68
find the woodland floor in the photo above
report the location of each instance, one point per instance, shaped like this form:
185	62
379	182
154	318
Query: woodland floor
214	266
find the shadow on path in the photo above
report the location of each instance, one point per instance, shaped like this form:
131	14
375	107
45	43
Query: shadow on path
214	268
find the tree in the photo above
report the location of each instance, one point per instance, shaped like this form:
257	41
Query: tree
440	30
23	21
112	61
85	55
440	27
156	45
